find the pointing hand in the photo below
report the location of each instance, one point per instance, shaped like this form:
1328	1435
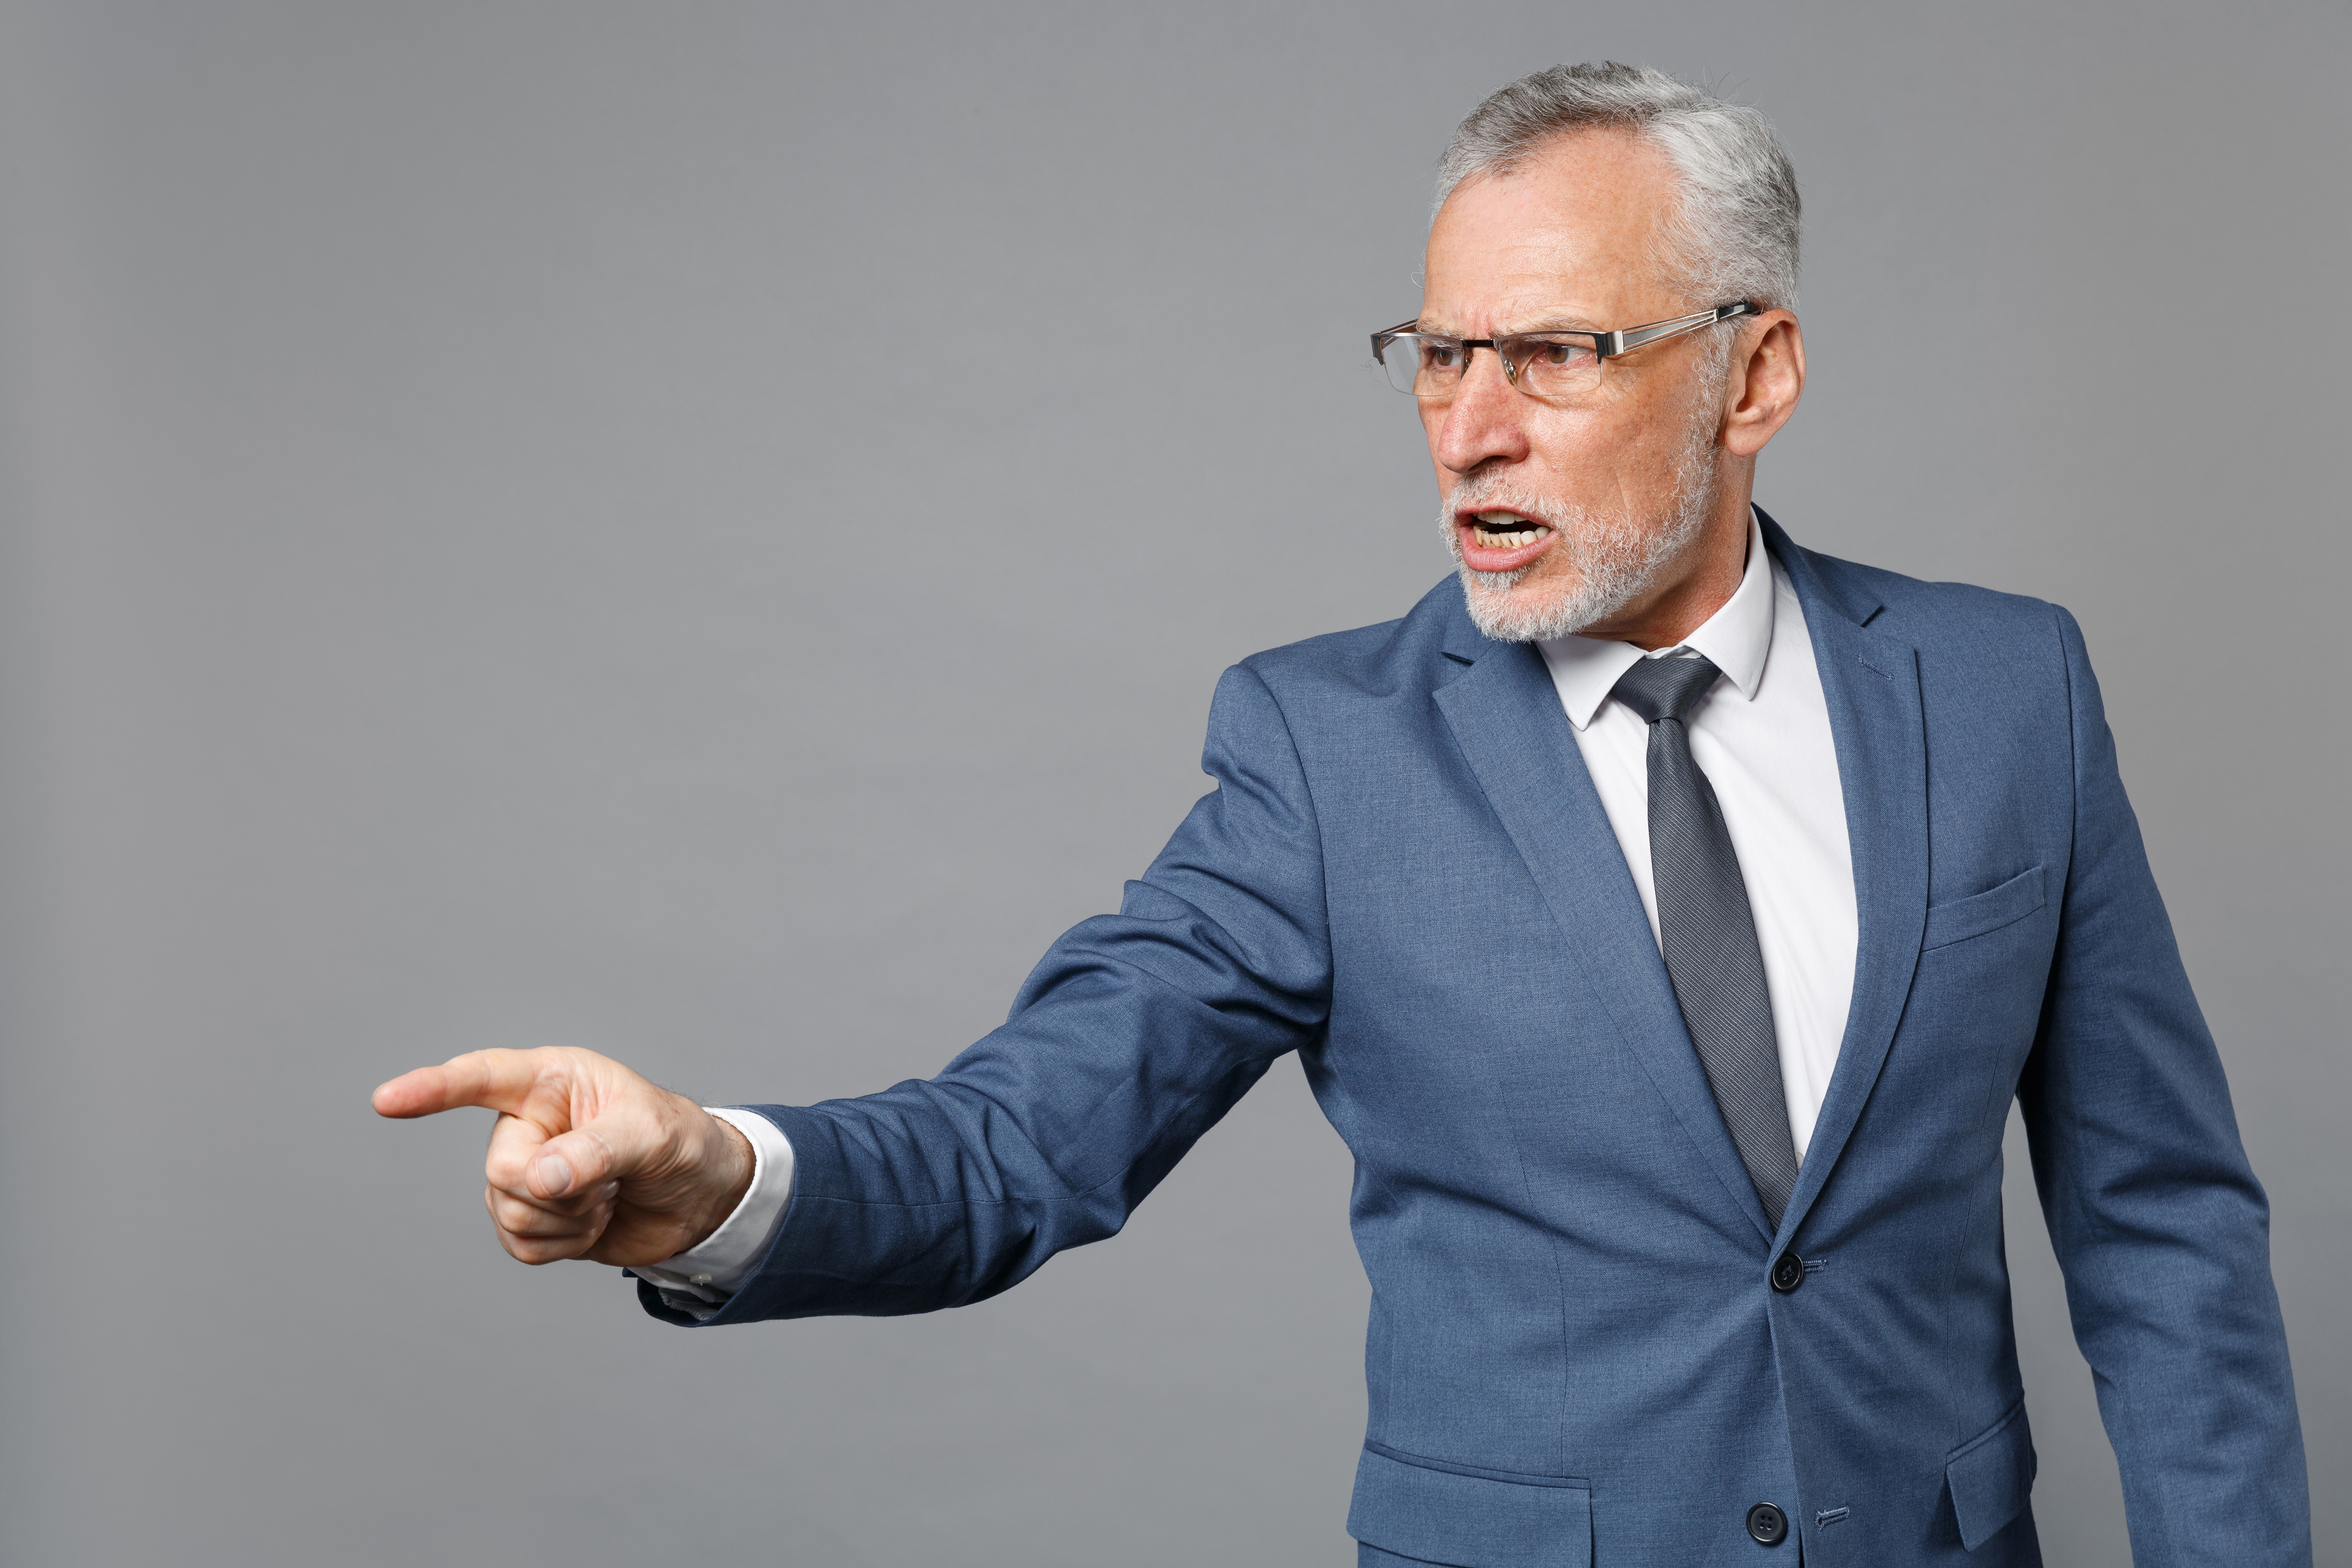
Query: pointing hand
587	1159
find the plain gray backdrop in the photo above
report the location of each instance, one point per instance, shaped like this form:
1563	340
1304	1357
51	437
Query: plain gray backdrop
707	532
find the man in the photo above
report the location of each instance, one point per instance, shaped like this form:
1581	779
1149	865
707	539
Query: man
1666	916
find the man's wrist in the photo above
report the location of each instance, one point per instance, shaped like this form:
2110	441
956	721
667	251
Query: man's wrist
728	1157
718	1264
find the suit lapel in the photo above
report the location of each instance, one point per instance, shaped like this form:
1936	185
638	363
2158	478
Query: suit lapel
1507	718
1870	681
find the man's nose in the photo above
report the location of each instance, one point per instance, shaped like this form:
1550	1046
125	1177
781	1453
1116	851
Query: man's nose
1485	419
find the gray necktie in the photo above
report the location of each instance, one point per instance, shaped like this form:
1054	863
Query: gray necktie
1708	932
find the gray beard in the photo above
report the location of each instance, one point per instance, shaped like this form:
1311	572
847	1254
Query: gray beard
1619	558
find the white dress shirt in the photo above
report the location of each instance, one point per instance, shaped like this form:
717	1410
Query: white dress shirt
1762	738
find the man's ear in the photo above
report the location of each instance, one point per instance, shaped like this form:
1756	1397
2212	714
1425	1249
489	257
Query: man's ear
1767	376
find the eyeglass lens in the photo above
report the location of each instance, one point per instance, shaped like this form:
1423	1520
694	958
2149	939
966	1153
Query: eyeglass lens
1543	365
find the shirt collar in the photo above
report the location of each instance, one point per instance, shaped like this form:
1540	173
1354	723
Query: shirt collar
1736	638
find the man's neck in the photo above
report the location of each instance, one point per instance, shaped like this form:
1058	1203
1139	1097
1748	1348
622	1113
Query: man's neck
1716	562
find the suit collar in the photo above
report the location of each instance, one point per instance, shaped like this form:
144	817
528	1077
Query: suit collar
1870	679
1463	642
1822	582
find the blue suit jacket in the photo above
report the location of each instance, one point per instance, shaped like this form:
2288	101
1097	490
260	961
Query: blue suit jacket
1404	875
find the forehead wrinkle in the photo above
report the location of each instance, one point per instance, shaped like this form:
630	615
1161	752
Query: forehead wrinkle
1528	284
1564	242
1538	303
1512	319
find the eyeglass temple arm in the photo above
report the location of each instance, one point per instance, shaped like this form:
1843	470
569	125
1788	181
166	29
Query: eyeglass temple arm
1604	343
1617	343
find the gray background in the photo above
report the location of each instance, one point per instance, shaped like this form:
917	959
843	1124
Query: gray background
501	546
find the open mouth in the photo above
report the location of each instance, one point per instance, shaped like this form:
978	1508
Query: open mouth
1500	541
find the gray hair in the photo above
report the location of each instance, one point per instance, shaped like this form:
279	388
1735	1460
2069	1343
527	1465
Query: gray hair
1733	234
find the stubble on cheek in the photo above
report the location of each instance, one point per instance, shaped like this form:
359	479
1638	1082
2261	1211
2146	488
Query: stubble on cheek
1601	558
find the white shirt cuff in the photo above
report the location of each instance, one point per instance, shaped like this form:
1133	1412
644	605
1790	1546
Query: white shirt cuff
700	1280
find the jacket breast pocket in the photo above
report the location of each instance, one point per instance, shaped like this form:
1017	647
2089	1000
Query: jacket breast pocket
1474	1519
1991	1475
1984	913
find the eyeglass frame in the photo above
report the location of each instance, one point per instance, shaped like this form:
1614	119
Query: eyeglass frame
1605	346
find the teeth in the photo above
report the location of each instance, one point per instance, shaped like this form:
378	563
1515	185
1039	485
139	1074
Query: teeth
1507	530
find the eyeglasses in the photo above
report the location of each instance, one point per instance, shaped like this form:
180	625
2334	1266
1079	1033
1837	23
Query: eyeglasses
1430	366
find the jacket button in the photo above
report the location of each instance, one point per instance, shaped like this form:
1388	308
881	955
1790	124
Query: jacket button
1788	1272
1767	1524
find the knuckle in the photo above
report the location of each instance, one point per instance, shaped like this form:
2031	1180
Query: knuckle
536	1250
508	1182
519	1218
532	1219
524	1248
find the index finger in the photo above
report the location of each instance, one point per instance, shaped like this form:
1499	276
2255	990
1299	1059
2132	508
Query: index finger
497	1080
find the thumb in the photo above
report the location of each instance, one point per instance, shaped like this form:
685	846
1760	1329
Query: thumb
585	1158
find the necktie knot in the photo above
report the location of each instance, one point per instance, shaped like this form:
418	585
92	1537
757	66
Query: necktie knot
1665	687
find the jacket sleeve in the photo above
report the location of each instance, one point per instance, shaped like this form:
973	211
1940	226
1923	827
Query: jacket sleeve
1133	1036
2157	1220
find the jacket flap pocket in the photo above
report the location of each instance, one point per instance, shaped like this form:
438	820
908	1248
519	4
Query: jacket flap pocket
1467	1518
1986	912
1991	1475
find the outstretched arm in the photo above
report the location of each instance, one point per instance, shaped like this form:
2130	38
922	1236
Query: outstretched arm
1133	1036
1136	1033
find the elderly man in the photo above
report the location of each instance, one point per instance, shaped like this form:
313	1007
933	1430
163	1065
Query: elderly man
1666	916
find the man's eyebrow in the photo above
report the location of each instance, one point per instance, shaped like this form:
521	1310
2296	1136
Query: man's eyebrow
1556	323
1560	323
